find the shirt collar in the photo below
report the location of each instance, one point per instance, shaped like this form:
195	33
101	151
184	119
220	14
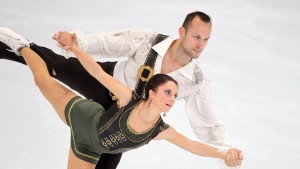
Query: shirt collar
162	47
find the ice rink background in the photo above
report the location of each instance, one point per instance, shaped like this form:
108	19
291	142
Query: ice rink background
252	60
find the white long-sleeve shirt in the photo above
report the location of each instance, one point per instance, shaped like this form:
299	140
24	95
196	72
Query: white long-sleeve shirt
194	88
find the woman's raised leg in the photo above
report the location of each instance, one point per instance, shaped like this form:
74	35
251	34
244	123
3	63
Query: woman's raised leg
57	94
54	92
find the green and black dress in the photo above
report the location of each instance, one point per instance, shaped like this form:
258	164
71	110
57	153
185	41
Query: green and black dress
95	131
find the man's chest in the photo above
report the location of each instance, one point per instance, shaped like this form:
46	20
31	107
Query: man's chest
167	67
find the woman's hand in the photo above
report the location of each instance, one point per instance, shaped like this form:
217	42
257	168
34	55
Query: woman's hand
234	157
65	39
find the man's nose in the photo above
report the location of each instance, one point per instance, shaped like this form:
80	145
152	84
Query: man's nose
200	44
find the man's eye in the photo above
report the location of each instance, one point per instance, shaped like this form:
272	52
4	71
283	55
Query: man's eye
197	37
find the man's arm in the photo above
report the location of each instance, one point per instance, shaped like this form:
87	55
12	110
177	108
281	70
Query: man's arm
204	121
122	43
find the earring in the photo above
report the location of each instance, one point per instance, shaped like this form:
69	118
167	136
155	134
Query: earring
149	103
164	114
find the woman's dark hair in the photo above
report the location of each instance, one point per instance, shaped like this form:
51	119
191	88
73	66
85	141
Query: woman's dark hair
189	17
156	81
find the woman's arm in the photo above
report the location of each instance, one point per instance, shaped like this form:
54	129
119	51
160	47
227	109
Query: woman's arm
232	157
121	91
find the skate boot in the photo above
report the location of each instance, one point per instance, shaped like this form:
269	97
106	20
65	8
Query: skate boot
13	40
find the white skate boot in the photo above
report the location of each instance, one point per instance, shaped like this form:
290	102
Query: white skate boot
13	40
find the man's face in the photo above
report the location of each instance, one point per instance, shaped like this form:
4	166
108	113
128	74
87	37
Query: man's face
195	39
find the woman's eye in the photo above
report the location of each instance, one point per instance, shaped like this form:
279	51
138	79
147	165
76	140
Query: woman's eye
168	91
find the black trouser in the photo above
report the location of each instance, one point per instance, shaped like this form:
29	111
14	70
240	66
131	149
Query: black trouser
70	72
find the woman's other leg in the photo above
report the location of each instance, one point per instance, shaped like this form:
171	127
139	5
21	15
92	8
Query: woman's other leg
76	163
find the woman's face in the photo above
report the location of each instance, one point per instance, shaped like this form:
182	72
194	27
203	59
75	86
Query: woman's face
165	95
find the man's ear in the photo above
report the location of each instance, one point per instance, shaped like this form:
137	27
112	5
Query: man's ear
181	31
